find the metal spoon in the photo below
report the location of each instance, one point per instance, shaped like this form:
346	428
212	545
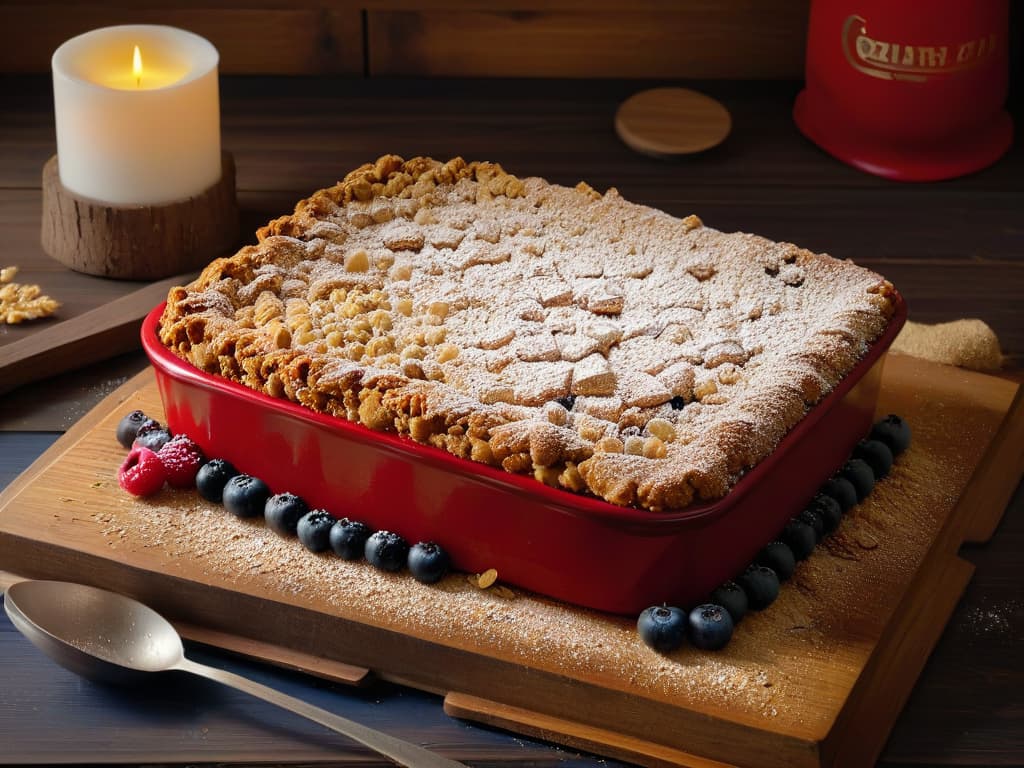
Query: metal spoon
105	636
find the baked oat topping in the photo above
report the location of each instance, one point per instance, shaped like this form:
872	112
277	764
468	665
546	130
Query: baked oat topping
601	346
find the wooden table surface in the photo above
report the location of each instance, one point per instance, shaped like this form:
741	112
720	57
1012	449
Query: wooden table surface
955	249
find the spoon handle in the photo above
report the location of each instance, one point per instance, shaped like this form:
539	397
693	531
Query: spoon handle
402	752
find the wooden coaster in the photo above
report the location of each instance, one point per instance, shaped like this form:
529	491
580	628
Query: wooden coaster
671	121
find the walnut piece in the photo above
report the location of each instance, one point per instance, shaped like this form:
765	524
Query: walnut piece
22	301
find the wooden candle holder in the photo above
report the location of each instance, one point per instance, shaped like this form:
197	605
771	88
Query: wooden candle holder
142	242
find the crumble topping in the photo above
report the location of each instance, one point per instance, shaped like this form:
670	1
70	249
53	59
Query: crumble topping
601	346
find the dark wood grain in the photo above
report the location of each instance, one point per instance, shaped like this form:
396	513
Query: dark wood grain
214	724
977	659
258	37
700	38
694	39
51	405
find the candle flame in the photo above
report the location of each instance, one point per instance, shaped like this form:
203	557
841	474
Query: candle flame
137	66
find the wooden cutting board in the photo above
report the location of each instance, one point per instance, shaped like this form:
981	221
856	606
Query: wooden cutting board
816	679
83	331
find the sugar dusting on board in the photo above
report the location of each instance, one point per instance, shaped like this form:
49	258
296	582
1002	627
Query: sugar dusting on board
822	620
993	623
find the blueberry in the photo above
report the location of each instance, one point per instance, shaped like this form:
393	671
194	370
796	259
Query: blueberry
245	496
842	490
212	477
348	538
799	537
779	557
894	432
709	627
859	473
662	627
283	512
566	402
731	597
386	550
813	519
761	585
828	509
128	427
876	454
677	403
314	530
152	436
428	562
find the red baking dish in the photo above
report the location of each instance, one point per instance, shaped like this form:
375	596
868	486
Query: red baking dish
570	547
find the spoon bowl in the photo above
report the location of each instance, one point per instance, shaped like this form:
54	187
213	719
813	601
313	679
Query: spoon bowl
109	637
97	634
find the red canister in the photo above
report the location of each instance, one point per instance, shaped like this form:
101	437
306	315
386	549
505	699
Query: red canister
908	90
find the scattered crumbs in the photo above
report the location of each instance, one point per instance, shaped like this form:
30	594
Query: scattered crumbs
999	622
839	545
483	580
107	386
866	541
99	484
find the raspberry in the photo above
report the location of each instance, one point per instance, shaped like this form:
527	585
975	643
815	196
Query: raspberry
142	473
151	435
181	459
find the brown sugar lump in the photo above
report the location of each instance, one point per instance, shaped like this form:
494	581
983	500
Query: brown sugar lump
595	344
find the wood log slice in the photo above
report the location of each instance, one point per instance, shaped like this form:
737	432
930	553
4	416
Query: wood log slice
144	242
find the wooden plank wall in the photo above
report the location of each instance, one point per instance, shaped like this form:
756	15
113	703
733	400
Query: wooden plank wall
459	38
253	37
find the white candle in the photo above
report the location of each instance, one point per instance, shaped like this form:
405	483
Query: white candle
137	130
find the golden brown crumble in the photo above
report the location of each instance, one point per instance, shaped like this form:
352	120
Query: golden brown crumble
598	345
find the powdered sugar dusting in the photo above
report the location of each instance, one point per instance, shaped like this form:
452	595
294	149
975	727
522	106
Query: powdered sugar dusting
824	622
483	291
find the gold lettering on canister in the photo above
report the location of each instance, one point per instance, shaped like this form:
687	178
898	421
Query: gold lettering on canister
913	63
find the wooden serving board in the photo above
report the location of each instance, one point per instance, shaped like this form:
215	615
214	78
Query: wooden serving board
79	335
816	679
